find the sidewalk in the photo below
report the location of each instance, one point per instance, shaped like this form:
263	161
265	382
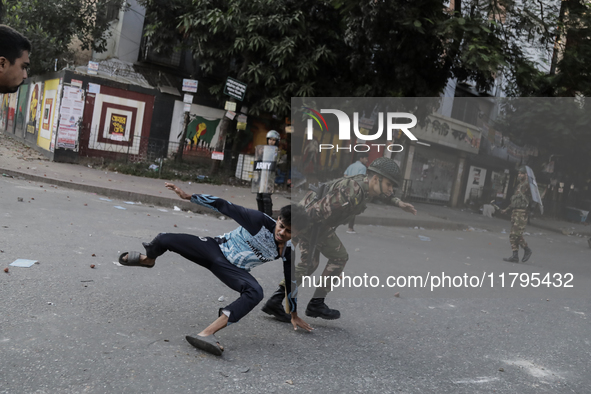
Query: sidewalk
20	161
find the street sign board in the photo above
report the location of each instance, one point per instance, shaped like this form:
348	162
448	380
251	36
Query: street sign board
190	85
235	88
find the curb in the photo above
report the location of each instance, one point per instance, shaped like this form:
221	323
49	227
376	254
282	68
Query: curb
556	230
188	206
111	193
399	222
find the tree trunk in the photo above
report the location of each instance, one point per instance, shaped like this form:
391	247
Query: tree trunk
219	147
179	153
556	51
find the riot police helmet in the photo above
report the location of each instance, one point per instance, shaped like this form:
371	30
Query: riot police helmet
387	168
273	134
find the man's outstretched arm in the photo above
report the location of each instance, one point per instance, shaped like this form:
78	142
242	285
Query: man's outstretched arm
403	205
250	219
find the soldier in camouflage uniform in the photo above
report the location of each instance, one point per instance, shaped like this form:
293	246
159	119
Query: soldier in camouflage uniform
327	208
520	201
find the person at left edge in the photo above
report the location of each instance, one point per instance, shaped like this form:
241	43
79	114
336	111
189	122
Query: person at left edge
229	257
14	59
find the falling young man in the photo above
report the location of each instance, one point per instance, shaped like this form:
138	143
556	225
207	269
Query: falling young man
230	257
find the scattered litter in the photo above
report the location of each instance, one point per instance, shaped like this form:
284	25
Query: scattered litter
289	382
105	199
8	176
6	270
201	177
129	202
117	263
503	232
24	263
92	266
222	218
163	210
176	208
397	295
84	281
244	370
153	167
423	238
222	299
567	231
118	207
526	233
50	303
416	227
19	199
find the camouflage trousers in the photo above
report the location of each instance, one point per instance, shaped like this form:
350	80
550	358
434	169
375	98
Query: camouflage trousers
518	223
331	247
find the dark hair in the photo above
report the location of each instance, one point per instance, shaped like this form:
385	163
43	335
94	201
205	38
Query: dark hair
361	155
12	43
295	211
285	215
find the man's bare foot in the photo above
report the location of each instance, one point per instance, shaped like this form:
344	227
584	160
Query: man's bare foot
217	343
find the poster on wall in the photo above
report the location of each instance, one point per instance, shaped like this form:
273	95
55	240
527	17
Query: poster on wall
117	126
11	111
55	119
71	110
4	111
34	108
45	129
47	125
117	122
21	107
475	184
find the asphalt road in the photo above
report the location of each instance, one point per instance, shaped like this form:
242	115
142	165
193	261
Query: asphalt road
68	328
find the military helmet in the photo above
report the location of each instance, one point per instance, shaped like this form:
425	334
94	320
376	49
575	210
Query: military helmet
387	168
273	134
522	169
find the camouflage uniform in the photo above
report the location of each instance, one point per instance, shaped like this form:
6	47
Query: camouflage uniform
345	198
519	203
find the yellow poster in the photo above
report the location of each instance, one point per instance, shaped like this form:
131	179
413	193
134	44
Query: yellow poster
48	109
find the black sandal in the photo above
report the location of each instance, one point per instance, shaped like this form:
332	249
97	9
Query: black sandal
133	260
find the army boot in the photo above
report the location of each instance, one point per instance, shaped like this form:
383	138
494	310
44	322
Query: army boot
274	306
317	308
514	258
527	254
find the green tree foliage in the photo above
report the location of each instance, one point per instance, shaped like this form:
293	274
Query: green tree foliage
279	49
368	47
51	26
558	126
